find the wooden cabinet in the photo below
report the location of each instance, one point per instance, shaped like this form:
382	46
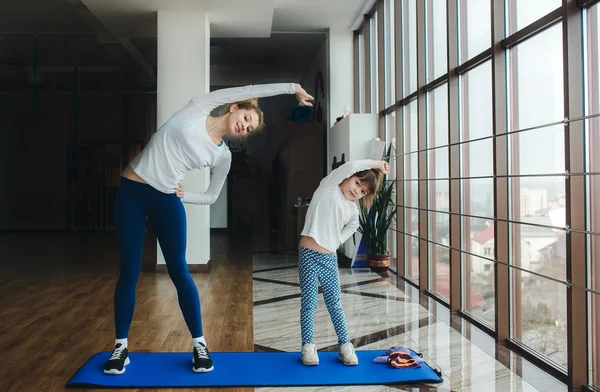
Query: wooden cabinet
303	160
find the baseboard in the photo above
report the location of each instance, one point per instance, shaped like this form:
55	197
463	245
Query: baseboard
194	268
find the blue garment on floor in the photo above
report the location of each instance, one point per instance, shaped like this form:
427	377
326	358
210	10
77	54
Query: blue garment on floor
248	369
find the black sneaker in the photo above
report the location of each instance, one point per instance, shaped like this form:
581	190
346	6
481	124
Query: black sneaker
202	361
118	360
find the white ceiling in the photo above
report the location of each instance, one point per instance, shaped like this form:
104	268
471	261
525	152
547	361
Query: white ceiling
230	18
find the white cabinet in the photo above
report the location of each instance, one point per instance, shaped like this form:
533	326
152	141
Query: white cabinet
351	136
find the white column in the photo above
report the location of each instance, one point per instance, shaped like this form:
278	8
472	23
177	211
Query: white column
183	72
341	73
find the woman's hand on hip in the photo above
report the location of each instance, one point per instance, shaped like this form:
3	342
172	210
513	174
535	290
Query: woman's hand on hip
179	191
303	97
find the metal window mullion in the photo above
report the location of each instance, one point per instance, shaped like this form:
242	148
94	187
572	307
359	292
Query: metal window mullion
356	72
422	143
454	154
593	62
381	68
500	167
400	216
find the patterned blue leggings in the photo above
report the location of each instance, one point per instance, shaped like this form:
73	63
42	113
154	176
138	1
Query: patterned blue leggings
315	268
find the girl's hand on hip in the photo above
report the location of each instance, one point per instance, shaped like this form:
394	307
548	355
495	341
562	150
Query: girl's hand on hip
179	191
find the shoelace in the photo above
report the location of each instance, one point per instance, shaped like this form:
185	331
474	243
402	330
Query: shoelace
201	351
117	353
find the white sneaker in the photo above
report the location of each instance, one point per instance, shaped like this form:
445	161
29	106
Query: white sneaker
347	354
309	355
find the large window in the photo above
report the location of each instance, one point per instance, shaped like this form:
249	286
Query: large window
477	192
489	211
438	191
537	242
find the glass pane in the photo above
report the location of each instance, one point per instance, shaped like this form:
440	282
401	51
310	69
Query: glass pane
439	257
478	273
476	113
438	163
437	45
374	65
538	79
539	200
390	55
412	244
477	158
390	133
540	322
477	197
438	116
475	19
528	11
361	73
439	195
539	305
409	46
411	194
411	170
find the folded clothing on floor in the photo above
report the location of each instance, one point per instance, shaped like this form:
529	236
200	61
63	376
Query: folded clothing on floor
399	357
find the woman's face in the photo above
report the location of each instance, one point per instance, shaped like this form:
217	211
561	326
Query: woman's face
242	121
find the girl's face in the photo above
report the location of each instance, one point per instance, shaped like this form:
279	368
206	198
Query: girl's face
353	189
241	122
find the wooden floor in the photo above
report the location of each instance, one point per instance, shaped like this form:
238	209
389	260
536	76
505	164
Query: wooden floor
56	293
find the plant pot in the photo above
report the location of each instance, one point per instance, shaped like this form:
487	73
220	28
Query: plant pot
379	262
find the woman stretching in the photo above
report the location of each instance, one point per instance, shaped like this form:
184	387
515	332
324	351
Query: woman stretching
151	186
331	219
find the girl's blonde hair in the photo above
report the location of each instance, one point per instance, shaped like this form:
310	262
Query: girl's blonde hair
372	179
249	104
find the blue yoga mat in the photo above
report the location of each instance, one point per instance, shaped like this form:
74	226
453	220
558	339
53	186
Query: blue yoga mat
248	369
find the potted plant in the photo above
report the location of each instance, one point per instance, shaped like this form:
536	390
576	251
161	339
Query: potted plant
374	225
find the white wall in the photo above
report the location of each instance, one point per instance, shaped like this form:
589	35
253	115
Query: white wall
341	73
183	72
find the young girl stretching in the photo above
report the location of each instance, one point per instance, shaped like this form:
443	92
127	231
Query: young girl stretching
331	219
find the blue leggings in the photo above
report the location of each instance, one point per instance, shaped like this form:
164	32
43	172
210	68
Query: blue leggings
135	201
315	268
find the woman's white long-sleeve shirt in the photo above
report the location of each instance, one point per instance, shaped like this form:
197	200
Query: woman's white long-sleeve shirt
331	218
183	144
